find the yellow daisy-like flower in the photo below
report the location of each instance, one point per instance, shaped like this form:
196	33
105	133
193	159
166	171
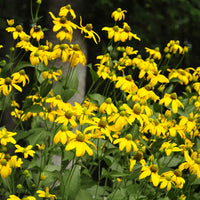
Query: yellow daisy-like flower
170	147
20	77
62	50
36	32
64	34
171	99
154	53
10	22
46	194
6	85
51	75
26	151
67	9
6	137
118	14
113	32
13	197
108	107
62	22
17	31
61	136
126	33
127	143
80	141
89	32
138	157
152	171
76	56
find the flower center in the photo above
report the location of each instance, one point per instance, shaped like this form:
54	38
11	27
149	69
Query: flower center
102	123
76	47
68	114
80	137
128	136
173	96
116	28
8	81
108	100
89	27
154	168
129	78
63	20
137	109
127	29
138	156
19	28
178	173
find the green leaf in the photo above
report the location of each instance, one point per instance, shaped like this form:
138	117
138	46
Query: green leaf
37	135
22	65
67	88
45	87
93	73
83	195
120	194
74	185
97	98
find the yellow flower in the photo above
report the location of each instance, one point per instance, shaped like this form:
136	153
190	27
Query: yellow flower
20	77
6	85
41	147
182	74
67	9
26	151
174	46
153	53
36	32
17	31
42	176
126	83
10	22
138	157
61	50
62	22
155	77
89	32
169	147
5	168
61	136
51	74
13	197
118	14
80	141
113	32
127	34
152	171
46	194
126	142
76	56
108	107
64	34
171	99
166	180
6	137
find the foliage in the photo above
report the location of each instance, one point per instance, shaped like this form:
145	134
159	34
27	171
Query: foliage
137	138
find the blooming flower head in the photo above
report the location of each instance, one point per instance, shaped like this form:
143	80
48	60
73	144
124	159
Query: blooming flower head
6	137
61	135
10	22
6	85
20	77
80	141
108	107
51	74
26	151
113	32
171	99
46	194
17	31
62	22
153	53
118	14
152	171
37	33
76	56
126	142
89	33
67	9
